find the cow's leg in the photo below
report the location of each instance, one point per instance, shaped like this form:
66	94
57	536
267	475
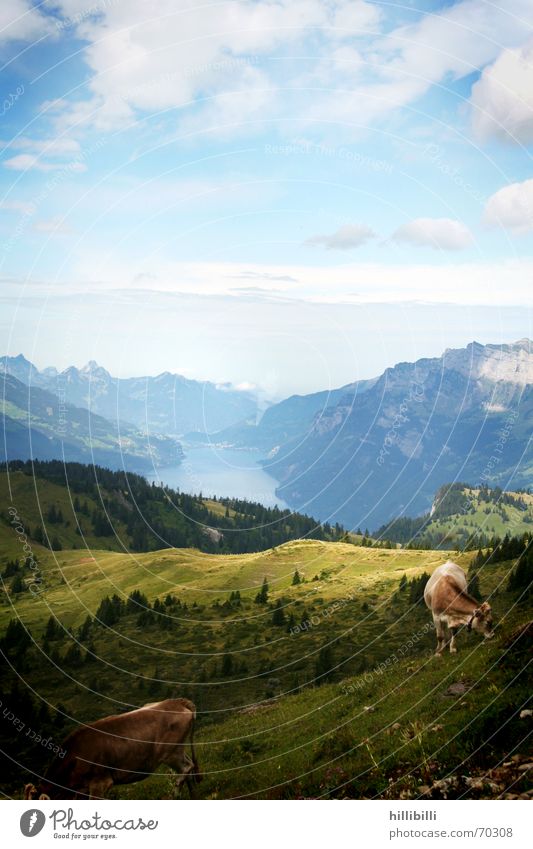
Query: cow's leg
98	787
441	635
453	632
182	764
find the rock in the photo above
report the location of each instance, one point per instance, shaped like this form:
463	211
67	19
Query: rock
436	727
525	713
457	689
369	709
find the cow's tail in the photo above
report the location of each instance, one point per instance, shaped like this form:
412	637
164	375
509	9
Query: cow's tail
197	774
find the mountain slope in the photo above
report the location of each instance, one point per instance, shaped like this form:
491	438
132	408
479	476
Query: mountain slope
463	517
287	420
165	404
70	505
36	423
348	701
382	453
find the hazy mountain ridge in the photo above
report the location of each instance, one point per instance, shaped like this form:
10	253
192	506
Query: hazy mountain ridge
288	419
37	423
372	456
167	403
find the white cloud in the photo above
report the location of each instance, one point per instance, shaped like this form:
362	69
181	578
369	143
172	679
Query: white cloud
511	208
32	162
56	225
20	21
48	147
490	283
502	99
147	60
25	208
345	238
439	233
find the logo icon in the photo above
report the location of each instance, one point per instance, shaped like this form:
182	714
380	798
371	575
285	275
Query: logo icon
32	822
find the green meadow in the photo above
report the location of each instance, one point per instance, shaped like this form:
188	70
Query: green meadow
327	688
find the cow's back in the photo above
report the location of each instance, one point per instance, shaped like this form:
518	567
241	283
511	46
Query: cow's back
135	741
448	570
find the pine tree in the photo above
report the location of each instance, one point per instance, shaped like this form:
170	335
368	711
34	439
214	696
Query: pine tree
278	616
262	595
18	584
227	664
296	579
324	665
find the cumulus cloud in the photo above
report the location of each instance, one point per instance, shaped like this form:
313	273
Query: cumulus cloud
24	207
32	162
20	20
502	99
345	238
171	60
440	233
511	208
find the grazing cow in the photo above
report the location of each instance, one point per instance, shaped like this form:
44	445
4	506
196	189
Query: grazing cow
123	749
452	607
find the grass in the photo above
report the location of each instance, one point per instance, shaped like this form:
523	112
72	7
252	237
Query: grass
265	728
485	518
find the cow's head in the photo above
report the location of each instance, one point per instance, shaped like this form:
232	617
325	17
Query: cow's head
481	621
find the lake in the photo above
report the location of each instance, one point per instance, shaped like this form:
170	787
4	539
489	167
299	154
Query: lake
222	472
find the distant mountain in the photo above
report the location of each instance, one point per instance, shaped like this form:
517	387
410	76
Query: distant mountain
373	455
167	404
36	423
287	420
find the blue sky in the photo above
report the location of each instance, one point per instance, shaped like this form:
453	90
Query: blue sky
288	194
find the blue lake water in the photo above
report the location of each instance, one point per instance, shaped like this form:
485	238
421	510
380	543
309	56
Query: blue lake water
222	472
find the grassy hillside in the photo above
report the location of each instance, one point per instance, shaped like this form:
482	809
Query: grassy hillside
75	506
465	517
281	706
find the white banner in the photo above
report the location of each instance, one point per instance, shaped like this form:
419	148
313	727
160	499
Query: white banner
256	824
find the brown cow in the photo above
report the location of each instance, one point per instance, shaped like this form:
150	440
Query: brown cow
123	749
446	596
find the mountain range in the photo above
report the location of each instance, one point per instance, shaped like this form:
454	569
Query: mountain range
167	403
377	449
38	424
360	455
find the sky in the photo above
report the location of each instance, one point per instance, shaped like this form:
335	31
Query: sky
288	195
